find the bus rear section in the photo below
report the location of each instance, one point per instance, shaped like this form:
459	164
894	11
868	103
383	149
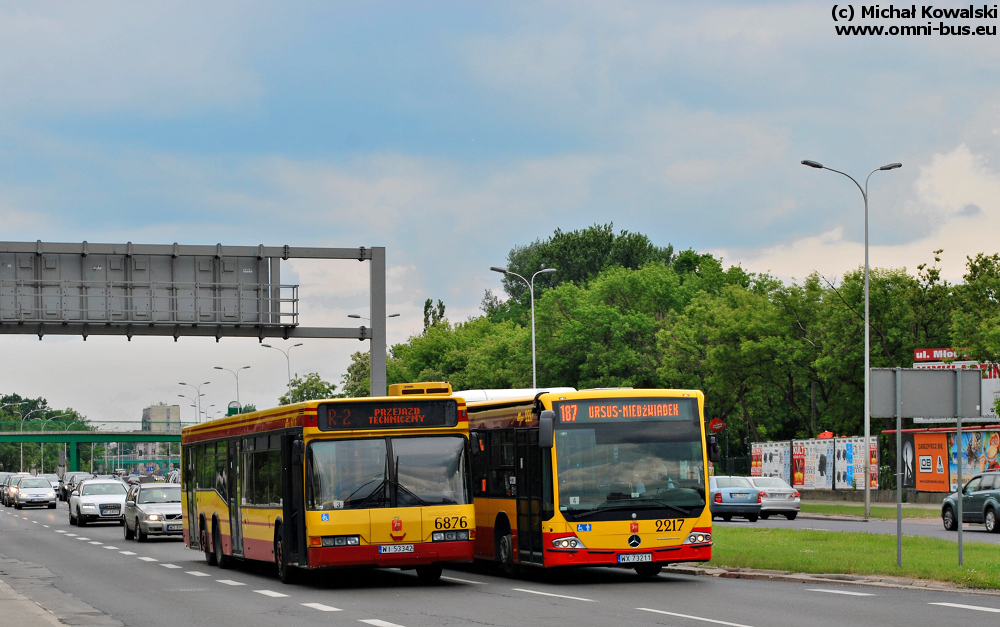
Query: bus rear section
601	477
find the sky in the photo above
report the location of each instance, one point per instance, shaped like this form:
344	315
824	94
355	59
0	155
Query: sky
450	132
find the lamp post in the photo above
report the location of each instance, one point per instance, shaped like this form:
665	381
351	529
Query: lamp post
288	363
235	373
198	397
41	445
531	290
22	429
868	413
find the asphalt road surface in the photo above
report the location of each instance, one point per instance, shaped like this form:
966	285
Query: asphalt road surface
163	584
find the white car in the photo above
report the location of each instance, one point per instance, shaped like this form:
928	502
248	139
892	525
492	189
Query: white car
97	500
777	497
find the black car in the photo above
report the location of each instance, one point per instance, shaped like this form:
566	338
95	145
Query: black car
980	503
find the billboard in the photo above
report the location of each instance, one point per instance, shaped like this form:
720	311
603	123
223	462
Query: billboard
930	470
849	457
770	459
980	451
990	389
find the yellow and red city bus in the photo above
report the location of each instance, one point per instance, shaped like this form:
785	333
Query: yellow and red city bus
613	477
379	482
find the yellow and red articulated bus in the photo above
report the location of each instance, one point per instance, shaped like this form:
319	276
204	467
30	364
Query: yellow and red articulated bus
592	477
379	482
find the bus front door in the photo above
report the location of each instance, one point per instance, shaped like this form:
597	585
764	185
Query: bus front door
235	511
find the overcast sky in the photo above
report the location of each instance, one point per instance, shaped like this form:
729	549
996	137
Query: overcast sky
453	132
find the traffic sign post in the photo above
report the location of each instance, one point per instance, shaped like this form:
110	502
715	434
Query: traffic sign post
917	393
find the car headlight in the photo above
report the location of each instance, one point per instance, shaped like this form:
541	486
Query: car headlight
51	495
88	505
153	517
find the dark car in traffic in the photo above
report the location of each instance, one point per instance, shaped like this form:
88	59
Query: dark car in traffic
980	503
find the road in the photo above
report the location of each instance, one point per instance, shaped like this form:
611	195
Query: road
929	527
163	584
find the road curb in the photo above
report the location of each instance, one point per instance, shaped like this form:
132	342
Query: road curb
828	578
22	611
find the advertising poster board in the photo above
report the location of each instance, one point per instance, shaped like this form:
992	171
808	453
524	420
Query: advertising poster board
798	464
850	463
990	389
931	471
908	462
774	459
756	457
819	465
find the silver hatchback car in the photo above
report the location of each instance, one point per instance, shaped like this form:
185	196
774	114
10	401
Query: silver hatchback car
153	509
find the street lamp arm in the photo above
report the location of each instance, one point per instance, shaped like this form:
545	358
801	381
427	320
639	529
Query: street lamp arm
860	189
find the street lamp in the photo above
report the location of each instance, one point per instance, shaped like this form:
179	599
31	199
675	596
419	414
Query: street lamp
198	390
531	289
235	373
868	413
288	362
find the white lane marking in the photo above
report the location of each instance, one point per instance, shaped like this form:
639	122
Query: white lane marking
321	607
113	548
46	526
26	518
73	535
271	593
978	608
706	620
230	582
36	522
461	580
549	594
197	573
126	552
170	565
149	559
378	623
847	592
97	542
82	538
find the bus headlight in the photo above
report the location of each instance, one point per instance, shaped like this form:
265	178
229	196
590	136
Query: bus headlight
449	536
698	538
341	540
568	543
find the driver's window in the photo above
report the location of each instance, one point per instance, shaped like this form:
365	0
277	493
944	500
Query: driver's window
973	486
989	482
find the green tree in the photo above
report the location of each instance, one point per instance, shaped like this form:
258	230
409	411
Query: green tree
432	315
307	388
355	382
249	408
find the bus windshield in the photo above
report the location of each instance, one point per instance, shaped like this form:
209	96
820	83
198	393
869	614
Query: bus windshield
361	474
631	465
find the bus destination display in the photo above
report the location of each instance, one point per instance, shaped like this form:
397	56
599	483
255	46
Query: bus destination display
382	415
619	409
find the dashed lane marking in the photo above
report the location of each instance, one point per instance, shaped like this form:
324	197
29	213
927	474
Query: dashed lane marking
126	552
847	592
378	623
197	573
977	608
230	582
82	538
460	580
170	565
271	593
321	607
148	559
94	542
46	526
69	535
549	594
705	620
112	548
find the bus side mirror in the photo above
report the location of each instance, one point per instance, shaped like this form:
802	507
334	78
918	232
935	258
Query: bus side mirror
713	449
476	444
546	428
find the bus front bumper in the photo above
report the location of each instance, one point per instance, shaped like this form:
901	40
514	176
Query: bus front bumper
628	557
423	553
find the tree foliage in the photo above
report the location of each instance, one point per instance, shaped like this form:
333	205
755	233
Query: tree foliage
307	388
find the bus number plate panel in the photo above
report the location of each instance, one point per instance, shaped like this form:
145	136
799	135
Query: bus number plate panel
395	548
635	557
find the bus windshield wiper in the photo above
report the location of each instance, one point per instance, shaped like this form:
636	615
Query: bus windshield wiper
380	488
420	501
621	508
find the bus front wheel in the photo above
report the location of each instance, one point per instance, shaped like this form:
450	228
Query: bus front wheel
206	547
221	559
505	550
648	571
286	572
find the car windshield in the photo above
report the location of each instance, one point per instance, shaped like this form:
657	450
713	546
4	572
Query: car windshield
160	495
93	489
358	474
770	482
49	478
732	482
35	483
634	464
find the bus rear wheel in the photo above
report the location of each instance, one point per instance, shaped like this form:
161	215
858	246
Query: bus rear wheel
286	572
648	571
207	548
221	559
429	574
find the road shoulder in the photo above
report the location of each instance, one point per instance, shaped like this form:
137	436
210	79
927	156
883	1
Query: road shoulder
28	598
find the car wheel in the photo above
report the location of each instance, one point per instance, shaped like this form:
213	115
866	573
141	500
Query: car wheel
948	518
129	534
765	516
991	521
429	574
286	572
80	520
221	559
17	506
727	517
140	535
752	518
791	516
648	571
72	520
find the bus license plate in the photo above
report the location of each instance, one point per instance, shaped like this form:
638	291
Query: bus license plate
396	548
635	557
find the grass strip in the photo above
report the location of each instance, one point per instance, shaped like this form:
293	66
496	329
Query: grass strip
881	512
856	553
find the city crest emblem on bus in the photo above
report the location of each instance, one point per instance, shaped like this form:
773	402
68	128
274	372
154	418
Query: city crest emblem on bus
397	525
635	527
